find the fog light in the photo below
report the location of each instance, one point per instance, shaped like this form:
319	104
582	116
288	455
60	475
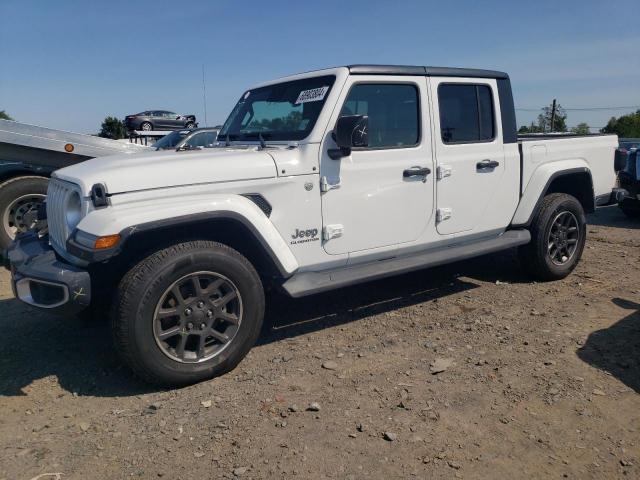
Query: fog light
107	241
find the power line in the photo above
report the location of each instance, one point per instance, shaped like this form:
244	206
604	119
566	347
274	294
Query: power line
582	109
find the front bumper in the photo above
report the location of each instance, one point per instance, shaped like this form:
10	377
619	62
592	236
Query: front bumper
41	279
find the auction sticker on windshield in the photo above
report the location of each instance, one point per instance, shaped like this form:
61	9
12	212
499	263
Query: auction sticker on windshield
313	95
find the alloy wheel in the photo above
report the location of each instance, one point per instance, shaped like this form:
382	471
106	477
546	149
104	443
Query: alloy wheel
563	239
197	317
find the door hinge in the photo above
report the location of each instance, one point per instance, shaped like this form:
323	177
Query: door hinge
443	214
443	171
325	186
332	231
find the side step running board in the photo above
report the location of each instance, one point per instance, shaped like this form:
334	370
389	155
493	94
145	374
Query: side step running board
308	283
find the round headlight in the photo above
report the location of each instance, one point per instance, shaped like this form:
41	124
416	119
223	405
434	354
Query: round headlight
73	212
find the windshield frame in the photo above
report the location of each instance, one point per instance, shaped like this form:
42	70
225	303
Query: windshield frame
235	118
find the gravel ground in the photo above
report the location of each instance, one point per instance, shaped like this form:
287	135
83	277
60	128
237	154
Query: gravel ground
465	371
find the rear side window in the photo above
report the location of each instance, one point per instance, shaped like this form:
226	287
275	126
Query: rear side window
466	113
394	116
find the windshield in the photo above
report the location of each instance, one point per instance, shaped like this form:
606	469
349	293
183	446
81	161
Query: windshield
171	140
283	111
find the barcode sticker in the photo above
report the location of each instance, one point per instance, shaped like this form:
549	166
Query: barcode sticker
313	95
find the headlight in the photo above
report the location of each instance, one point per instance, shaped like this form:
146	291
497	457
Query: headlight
73	212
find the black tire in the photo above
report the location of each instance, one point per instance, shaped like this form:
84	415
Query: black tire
139	296
535	257
633	213
10	192
148	125
190	125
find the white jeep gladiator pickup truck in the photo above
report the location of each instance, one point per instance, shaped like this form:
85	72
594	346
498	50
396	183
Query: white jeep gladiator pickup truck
318	181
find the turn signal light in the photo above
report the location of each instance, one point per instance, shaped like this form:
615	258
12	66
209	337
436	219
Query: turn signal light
107	241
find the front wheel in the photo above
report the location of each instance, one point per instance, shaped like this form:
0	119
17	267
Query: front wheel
190	125
558	234
188	313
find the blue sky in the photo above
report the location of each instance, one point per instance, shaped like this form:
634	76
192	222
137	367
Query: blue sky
67	64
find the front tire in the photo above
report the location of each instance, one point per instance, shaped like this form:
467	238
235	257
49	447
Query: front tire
558	234
188	313
190	125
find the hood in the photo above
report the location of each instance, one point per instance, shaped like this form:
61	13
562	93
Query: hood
127	173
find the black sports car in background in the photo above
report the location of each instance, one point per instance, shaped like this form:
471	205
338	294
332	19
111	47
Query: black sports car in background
159	120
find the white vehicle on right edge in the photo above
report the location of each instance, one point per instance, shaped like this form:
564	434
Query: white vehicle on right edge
319	180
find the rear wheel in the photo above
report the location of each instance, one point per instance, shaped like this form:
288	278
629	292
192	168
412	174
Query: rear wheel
188	313
146	126
20	199
558	234
631	212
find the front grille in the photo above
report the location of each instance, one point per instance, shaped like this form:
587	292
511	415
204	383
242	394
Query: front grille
57	195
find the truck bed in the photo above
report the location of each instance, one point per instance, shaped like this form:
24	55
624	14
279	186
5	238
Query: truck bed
595	151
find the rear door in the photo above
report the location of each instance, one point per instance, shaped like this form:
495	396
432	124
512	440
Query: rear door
469	153
370	201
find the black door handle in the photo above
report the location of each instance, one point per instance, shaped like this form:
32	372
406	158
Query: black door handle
486	164
416	172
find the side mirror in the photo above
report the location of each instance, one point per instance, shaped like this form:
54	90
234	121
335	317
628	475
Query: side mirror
350	131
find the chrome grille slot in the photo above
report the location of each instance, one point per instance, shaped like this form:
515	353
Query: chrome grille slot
57	194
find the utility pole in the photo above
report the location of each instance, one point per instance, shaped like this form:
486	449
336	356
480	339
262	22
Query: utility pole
204	98
553	114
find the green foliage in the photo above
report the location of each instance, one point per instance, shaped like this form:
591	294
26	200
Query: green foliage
543	124
112	128
627	126
581	129
533	128
560	123
4	115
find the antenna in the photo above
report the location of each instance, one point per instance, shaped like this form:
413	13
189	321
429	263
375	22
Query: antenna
204	98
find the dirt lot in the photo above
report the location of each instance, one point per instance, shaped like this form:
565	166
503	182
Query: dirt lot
539	381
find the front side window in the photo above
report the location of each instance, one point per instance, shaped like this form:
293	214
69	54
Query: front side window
283	111
466	113
394	115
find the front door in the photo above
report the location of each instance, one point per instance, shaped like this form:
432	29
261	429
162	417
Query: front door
469	155
380	195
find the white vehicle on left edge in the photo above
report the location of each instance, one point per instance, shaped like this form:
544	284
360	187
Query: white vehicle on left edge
319	180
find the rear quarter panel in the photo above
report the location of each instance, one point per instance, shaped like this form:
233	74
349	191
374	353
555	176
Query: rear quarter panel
543	158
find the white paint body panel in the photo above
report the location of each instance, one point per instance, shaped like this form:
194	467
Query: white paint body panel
477	200
376	206
543	158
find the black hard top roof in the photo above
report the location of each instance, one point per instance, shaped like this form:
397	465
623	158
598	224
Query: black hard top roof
418	70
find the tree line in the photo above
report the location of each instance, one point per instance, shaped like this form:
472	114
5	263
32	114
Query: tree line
626	126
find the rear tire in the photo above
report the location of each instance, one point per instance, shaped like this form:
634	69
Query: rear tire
19	198
633	213
219	299
146	126
558	234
